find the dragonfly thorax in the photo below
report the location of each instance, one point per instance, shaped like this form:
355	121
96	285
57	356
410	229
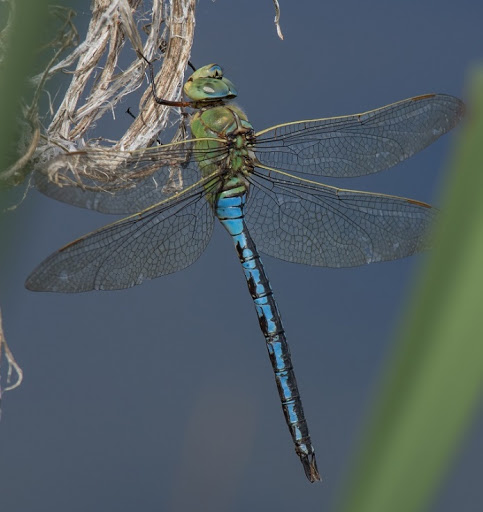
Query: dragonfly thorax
219	122
232	134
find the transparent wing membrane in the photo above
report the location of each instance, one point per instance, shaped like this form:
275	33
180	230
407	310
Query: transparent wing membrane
124	182
359	144
306	222
158	241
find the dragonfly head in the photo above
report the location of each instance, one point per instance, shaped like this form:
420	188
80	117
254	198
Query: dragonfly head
208	84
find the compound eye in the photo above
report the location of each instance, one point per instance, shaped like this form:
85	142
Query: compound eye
217	72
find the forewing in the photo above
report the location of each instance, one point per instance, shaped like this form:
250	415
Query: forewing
305	222
359	144
124	182
156	242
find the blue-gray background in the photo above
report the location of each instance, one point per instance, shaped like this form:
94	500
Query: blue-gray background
161	397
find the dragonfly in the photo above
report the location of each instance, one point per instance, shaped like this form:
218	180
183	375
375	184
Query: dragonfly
257	185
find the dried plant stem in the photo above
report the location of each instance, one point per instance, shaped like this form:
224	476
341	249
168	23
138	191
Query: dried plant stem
12	364
277	19
98	84
181	24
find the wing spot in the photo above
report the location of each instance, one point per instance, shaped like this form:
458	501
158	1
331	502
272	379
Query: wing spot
419	203
423	97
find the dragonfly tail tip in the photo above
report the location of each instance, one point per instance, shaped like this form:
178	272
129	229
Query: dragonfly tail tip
310	467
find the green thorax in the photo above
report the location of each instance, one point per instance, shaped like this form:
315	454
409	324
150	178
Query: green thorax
229	123
219	122
225	123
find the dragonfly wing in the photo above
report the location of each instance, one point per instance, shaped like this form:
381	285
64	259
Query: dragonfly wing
161	240
359	144
305	222
123	182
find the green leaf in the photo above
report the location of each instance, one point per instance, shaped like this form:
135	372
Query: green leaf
432	385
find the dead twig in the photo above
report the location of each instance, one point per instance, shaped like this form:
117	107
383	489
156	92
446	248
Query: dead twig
98	84
12	365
